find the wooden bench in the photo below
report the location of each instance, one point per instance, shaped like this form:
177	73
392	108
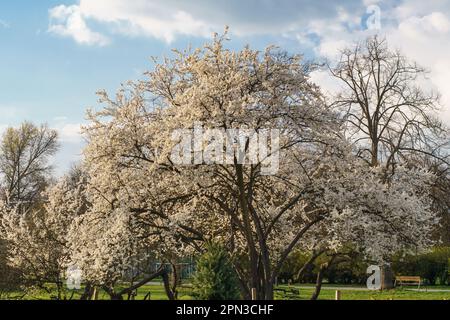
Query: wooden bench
408	280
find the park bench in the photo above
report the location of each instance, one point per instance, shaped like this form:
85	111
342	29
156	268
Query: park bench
408	280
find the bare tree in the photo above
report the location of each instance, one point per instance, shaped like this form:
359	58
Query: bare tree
390	119
24	161
389	116
441	201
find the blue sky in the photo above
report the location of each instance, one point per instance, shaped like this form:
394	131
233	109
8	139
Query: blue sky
56	54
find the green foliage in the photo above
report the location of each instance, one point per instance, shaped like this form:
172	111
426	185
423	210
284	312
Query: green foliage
293	263
352	271
215	278
432	266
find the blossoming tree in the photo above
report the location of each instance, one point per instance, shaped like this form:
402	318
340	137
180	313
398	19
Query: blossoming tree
318	194
37	239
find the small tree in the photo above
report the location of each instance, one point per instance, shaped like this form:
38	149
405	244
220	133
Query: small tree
37	239
24	163
215	278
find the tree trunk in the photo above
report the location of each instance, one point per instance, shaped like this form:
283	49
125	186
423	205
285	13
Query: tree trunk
175	280
243	282
374	152
269	290
88	292
319	281
166	281
115	296
248	233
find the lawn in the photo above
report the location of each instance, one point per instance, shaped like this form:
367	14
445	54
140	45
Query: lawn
328	293
349	293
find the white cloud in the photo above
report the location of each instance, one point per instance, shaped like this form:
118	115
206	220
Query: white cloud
4	24
166	20
418	27
425	37
332	34
67	21
68	132
126	18
71	144
149	18
420	30
330	86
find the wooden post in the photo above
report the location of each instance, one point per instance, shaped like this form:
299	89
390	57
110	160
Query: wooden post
253	293
338	295
95	294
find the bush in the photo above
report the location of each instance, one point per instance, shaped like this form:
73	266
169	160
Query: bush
353	271
215	278
432	266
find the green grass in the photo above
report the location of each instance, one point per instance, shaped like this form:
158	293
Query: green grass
394	294
327	293
157	292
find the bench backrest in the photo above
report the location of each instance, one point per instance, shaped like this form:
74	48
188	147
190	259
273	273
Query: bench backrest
408	278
